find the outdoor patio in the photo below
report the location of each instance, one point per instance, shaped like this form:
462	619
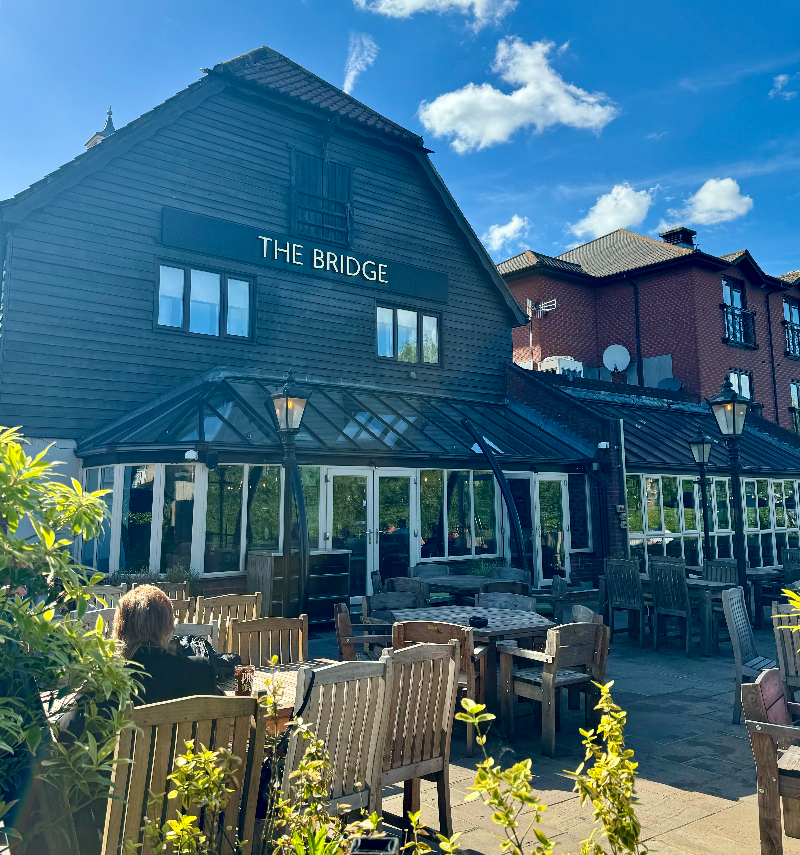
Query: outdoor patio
697	776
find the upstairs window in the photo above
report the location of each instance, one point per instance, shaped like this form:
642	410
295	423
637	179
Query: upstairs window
405	335
791	321
794	409
739	325
742	382
733	293
321	205
202	302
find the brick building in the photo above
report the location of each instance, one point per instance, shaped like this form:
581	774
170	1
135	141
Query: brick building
680	312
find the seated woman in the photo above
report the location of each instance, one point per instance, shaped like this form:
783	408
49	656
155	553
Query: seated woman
143	626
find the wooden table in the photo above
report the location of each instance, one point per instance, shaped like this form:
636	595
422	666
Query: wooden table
503	624
705	593
287	675
757	577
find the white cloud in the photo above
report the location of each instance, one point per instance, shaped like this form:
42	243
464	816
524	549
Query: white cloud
477	117
360	55
779	89
483	11
655	136
717	201
621	208
496	237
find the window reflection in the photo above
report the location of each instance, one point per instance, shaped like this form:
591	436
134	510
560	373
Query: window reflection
459	513
137	518
483	489
431	504
224	519
177	517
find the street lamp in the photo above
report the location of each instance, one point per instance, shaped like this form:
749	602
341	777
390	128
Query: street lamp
700	445
290	404
730	411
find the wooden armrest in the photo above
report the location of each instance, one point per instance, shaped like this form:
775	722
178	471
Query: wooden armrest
521	653
479	652
581	593
385	640
779	731
371	627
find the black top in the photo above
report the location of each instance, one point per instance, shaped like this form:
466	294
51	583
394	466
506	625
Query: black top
168	677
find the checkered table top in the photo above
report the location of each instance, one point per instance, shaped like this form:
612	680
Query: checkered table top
505	623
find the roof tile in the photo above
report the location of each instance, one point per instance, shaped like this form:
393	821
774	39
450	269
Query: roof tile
530	259
620	251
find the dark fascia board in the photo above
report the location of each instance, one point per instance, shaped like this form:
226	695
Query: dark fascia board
516	311
15	210
745	260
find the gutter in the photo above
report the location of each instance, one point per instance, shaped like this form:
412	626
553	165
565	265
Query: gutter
637	327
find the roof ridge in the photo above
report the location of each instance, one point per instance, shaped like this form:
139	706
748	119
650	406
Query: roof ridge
266	50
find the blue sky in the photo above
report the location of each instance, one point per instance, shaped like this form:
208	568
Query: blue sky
553	123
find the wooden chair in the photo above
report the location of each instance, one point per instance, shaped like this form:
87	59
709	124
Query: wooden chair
257	641
422	689
791	566
406	585
159	737
512	574
106	596
226	608
183	610
773	739
583	614
670	597
377	583
506	587
721	570
747	663
347	711
359	642
574	658
787	642
174	590
89	620
200	630
625	593
427	571
506	601
472	669
381	607
548	598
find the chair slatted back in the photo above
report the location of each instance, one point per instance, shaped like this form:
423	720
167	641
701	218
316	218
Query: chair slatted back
558	588
89	620
382	606
346	710
106	596
183	610
791	566
405	585
739	628
430	632
623	583
257	641
578	646
506	601
160	736
721	570
583	614
377	583
200	630
787	641
512	574
506	587
226	608
670	591
174	590
422	687
426	571
344	629
765	700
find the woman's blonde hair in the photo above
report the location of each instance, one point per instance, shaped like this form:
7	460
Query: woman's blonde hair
144	617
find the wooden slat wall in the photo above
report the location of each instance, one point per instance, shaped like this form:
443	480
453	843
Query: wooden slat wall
79	348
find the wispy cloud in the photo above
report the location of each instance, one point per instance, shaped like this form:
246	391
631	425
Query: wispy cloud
733	74
482	11
779	89
719	200
497	236
479	116
620	208
361	53
655	136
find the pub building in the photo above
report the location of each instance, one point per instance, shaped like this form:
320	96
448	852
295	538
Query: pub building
158	289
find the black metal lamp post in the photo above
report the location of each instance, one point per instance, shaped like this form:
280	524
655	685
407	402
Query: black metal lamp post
290	404
730	410
701	451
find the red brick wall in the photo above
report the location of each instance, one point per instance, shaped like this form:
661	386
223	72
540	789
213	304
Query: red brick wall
216	587
679	313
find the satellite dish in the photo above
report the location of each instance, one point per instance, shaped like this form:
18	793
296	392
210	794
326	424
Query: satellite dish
671	384
616	357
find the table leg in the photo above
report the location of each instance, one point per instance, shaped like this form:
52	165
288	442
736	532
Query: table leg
706	623
491	673
758	603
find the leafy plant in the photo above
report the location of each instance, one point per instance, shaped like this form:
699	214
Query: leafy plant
178	573
49	665
481	567
203	782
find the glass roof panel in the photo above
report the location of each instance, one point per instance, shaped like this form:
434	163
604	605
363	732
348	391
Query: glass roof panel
229	407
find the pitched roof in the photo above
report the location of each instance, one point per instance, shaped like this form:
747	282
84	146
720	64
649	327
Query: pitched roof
732	256
529	259
791	277
620	251
272	70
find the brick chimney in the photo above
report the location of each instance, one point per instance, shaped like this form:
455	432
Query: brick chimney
680	236
108	129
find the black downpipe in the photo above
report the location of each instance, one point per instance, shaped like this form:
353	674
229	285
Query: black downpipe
638	329
602	501
513	516
772	358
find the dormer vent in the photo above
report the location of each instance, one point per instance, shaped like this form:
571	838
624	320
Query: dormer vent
108	129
